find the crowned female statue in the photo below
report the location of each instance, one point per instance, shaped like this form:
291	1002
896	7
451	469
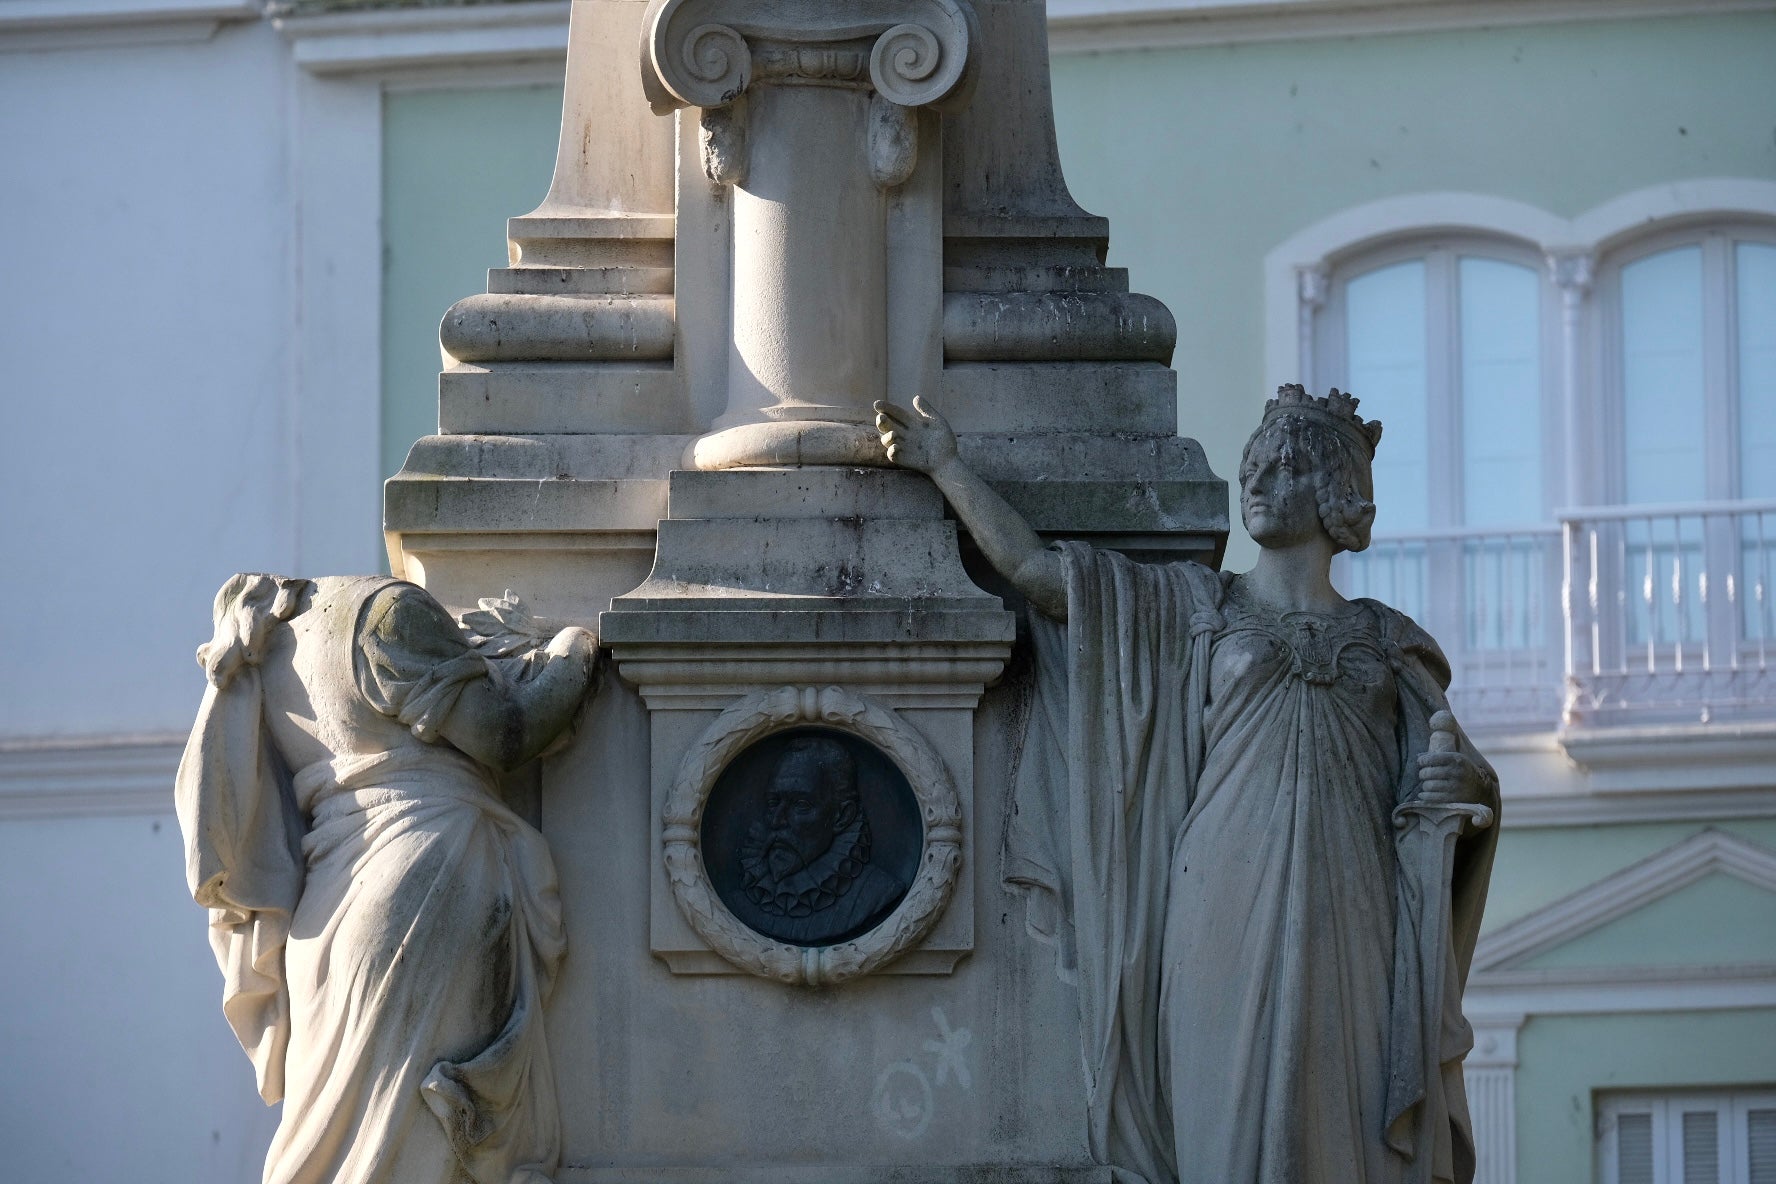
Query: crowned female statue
1250	826
388	929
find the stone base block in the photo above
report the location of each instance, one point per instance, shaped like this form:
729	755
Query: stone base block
1136	398
792	1173
555	397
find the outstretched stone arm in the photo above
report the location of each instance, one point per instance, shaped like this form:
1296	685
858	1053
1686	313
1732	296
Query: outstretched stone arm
504	723
921	439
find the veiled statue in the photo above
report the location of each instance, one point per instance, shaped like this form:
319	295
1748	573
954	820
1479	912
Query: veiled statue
388	928
1250	826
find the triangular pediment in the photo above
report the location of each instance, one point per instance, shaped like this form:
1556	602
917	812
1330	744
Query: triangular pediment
1709	900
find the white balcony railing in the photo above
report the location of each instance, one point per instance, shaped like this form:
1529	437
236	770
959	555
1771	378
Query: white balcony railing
1491	597
1617	615
1669	613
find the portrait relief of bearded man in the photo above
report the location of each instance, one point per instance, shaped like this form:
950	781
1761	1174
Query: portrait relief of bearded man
806	871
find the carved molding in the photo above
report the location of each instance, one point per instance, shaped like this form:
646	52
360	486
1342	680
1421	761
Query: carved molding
1097	26
754	718
1571	271
705	53
1634	887
1312	283
893	142
88	777
722	135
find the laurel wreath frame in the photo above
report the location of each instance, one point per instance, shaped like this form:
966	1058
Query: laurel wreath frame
752	719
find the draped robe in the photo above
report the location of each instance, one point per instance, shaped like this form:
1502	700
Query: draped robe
388	929
1204	828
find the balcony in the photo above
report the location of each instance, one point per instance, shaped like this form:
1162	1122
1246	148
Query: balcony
1669	614
1631	617
1492	600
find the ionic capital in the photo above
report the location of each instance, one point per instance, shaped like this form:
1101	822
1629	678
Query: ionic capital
706	53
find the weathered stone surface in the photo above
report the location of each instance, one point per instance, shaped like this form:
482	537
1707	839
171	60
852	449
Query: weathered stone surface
343	765
557	397
1057	326
667	428
1129	398
581	281
532	328
1200	742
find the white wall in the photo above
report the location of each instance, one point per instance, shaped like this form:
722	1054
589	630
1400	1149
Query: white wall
145	317
146	309
119	1066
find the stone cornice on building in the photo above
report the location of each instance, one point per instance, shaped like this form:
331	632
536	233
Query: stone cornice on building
343	36
1501	984
1105	25
60	24
334	37
88	777
337	39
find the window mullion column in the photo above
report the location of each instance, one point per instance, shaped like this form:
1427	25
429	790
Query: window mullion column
1442	393
1571	272
1720	416
1447	597
1720	459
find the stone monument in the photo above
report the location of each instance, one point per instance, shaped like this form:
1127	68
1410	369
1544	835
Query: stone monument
660	418
806	269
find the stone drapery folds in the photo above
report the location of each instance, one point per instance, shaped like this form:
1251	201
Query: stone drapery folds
387	928
1207	837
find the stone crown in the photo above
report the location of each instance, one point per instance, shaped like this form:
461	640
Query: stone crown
1338	410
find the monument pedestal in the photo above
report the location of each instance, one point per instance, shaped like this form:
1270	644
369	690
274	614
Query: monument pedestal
937	1047
812	599
863	202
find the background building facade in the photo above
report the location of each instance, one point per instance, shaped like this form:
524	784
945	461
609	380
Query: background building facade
1538	240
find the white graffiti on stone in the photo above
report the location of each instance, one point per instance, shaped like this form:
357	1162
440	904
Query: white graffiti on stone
904	1098
950	1048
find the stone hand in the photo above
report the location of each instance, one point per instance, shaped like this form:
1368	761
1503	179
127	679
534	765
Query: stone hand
919	439
1446	775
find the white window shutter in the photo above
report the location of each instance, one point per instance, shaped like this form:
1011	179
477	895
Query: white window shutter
1701	1147
1634	1149
1760	1138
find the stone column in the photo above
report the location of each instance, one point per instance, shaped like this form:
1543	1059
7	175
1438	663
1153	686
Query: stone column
1490	1073
810	115
1571	272
1311	286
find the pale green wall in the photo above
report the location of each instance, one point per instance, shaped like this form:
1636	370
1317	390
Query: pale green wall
1565	1060
1205	159
1719	920
1537	867
455	165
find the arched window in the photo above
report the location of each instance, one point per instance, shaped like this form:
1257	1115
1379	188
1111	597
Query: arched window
1690	365
1446	342
1689	383
1577	489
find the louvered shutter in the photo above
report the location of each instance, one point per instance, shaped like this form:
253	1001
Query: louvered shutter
1701	1147
1760	1134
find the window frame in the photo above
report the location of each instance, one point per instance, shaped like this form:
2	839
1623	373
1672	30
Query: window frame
1731	1106
1717	236
1441	254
